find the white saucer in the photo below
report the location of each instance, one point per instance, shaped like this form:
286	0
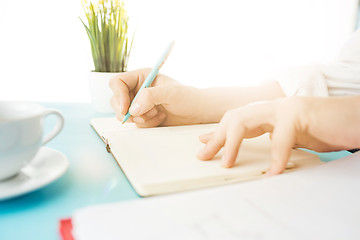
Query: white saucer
47	166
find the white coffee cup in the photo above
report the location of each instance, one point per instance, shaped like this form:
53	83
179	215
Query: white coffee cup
21	134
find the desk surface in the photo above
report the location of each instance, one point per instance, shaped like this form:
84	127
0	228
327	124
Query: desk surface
93	177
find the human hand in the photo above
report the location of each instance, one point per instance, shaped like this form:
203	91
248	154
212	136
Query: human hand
320	124
165	103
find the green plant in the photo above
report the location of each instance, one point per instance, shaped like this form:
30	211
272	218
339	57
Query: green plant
107	30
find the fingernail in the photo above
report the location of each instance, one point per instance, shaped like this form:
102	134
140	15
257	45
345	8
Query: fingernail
135	109
138	120
267	174
202	136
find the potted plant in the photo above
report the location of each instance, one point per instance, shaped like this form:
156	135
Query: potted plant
107	29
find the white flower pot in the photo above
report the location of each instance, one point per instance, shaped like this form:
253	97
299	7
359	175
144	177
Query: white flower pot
100	91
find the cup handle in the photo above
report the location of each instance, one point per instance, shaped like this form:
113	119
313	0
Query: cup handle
58	126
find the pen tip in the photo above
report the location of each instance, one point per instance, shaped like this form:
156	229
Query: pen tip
123	122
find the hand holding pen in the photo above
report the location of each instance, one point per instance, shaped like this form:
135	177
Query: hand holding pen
165	102
149	80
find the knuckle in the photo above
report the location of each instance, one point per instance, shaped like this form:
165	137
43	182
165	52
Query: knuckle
217	139
114	80
230	114
292	105
146	94
145	72
227	115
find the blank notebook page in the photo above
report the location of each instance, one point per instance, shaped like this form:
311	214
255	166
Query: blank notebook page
163	160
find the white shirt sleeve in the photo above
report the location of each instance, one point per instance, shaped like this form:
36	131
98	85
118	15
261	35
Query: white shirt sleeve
340	77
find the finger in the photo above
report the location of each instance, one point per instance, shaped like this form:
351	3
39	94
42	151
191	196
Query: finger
120	117
146	116
283	140
121	85
130	79
150	97
120	103
234	137
204	138
154	122
213	146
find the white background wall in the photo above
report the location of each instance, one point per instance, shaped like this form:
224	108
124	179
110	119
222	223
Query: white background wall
45	54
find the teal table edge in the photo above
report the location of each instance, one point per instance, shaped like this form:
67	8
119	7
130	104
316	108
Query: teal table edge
93	177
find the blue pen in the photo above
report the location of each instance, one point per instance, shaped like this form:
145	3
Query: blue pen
150	78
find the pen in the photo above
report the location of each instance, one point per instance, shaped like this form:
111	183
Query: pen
150	78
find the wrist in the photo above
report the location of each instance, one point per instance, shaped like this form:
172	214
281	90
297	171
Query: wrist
198	103
211	106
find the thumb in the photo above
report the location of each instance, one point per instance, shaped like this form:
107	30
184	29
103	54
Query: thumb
283	140
148	98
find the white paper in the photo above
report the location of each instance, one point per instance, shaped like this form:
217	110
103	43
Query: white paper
317	203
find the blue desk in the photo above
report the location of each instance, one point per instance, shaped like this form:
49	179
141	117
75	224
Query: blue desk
92	178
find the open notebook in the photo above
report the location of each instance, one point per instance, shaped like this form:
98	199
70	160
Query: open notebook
163	160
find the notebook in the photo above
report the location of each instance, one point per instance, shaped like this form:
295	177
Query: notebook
163	160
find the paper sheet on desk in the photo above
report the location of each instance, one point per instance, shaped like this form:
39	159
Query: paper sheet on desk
318	203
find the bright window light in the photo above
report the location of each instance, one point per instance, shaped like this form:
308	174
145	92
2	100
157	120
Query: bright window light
45	53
